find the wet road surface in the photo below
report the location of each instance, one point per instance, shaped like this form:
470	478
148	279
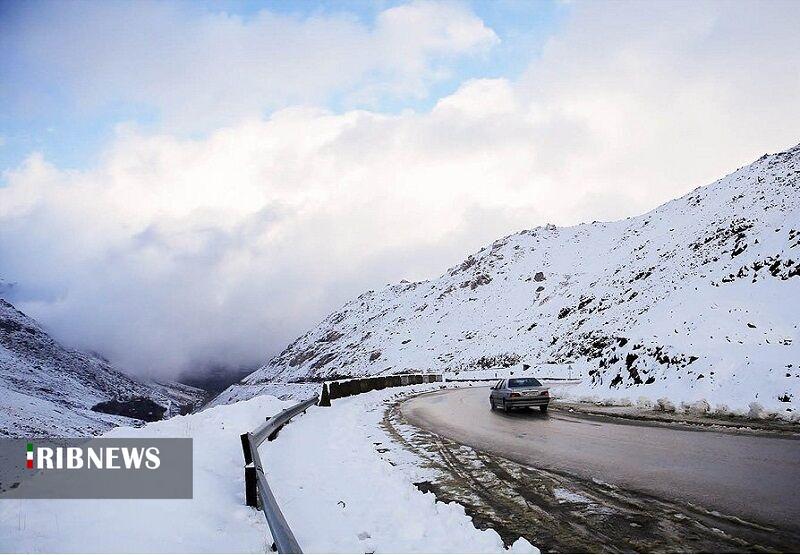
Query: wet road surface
753	477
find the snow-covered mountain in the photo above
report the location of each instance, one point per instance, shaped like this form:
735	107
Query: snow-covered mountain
49	390
697	299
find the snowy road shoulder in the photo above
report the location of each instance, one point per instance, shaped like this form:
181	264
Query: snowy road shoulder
340	493
326	468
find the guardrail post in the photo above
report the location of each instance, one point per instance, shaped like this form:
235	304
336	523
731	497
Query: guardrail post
248	456
251	487
325	397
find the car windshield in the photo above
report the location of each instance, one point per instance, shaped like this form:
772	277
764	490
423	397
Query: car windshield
524	382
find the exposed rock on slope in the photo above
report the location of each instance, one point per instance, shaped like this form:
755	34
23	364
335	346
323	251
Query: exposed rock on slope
48	390
699	298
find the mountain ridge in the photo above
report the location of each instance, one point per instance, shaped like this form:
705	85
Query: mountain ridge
49	390
689	296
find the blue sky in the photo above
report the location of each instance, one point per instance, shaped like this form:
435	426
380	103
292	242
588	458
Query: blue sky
40	114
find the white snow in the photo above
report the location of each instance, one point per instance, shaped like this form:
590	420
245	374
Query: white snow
338	493
567	496
296	391
24	415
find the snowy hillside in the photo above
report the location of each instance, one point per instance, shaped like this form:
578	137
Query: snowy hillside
697	299
47	389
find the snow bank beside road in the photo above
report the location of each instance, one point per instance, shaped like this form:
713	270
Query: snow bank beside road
339	494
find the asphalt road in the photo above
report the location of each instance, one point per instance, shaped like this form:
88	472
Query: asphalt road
753	477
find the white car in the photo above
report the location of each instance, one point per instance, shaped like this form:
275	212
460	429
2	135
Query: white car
515	393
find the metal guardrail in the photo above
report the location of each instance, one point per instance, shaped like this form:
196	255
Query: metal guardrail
459	380
566	381
257	490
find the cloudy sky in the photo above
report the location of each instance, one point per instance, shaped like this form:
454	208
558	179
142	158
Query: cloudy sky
197	183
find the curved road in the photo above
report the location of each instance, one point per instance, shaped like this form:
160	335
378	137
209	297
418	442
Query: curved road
754	477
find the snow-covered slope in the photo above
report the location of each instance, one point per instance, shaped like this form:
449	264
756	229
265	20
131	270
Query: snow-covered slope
325	469
699	298
46	389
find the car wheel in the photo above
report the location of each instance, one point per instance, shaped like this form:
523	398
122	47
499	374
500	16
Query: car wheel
543	408
491	404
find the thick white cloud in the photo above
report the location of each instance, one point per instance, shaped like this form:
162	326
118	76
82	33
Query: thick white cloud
173	251
201	68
